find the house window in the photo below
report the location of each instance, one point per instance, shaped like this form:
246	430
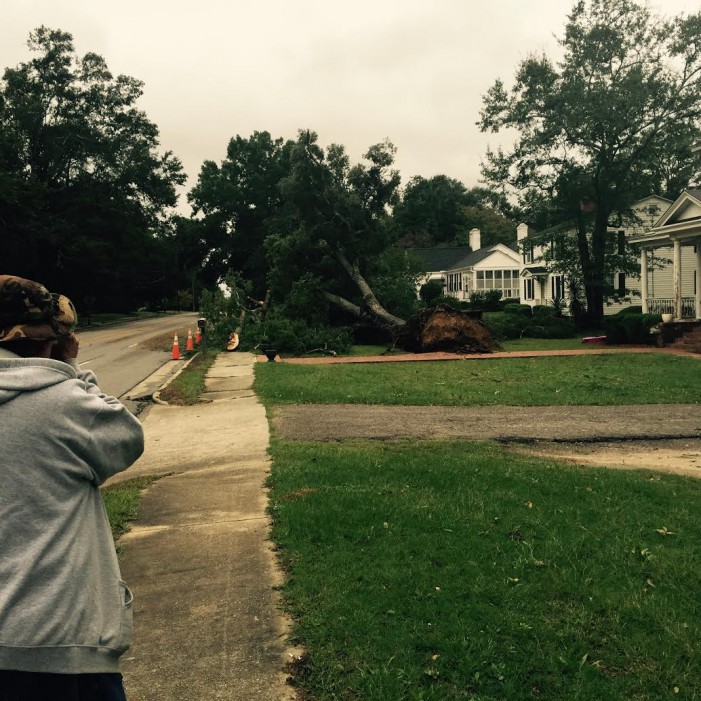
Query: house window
506	281
454	282
557	287
528	252
621	284
528	289
621	243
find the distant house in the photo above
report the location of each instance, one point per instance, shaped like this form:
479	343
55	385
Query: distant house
676	235
466	269
541	286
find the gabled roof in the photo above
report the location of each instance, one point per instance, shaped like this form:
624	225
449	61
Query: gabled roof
689	199
441	258
534	271
681	221
456	257
648	198
567	227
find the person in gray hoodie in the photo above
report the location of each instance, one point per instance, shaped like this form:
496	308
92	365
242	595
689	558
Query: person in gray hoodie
65	613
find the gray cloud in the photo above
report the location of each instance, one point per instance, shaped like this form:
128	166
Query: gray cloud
354	72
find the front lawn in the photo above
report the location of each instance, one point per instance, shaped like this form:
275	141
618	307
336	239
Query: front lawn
440	571
122	502
187	387
574	380
529	344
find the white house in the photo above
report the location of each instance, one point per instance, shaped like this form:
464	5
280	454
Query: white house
676	289
467	269
541	286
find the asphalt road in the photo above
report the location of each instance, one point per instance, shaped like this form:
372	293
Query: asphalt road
115	354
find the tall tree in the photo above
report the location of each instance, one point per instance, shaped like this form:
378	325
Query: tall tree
430	211
336	228
441	210
83	187
602	127
237	202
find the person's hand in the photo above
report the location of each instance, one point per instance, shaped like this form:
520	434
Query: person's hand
65	348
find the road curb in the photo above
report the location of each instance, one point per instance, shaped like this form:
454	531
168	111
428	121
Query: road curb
156	396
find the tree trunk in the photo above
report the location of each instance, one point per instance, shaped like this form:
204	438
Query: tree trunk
592	261
373	309
378	321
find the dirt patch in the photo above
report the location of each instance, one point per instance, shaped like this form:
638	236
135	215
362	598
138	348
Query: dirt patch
328	422
657	437
675	456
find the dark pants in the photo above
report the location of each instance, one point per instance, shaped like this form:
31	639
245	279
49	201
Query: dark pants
40	686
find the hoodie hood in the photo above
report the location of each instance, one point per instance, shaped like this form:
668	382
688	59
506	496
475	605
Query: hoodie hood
19	375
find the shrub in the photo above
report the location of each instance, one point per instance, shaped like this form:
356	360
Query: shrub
630	310
488	301
541	311
522	309
505	327
448	301
296	337
550	327
630	328
431	292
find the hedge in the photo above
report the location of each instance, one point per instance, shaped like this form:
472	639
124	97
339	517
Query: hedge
626	327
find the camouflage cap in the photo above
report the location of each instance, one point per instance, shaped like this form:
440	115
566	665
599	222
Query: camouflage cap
29	310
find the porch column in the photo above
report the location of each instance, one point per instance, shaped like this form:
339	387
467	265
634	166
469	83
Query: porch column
643	277
677	279
698	278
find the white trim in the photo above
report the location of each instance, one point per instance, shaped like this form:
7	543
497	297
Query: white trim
675	207
677	279
698	278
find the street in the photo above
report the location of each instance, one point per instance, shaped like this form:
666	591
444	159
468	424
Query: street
116	356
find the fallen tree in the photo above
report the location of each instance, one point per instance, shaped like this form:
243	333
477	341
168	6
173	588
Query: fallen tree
442	328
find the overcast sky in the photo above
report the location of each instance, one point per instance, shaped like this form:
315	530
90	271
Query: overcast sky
355	71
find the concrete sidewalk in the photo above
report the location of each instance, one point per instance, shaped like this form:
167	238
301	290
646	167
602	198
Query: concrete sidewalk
206	618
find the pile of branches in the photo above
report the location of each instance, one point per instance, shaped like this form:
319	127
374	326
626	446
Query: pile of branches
442	328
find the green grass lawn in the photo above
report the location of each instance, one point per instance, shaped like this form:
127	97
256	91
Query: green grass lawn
122	502
440	571
187	387
575	380
529	344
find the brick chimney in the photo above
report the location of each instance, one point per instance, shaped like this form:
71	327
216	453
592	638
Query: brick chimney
521	232
475	243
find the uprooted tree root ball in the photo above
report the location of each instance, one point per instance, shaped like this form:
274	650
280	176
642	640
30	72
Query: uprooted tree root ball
442	328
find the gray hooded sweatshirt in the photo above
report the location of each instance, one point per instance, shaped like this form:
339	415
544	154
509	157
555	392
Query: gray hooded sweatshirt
63	606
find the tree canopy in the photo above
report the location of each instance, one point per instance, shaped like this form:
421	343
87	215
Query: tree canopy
307	228
237	203
84	190
441	211
336	237
613	121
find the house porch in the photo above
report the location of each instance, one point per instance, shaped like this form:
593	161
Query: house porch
680	306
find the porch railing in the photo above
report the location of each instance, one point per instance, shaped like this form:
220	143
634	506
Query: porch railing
661	305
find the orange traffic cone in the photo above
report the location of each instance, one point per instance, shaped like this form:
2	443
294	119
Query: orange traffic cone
176	349
198	335
190	345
